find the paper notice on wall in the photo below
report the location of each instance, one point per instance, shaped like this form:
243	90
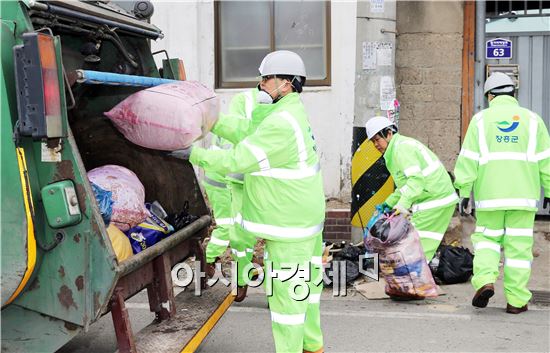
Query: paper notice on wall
376	6
384	54
387	93
369	55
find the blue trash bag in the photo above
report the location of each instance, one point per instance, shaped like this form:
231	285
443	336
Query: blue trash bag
105	202
148	233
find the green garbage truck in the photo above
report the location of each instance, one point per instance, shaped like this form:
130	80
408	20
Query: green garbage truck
59	270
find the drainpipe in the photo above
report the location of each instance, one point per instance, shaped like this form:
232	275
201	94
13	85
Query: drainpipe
479	100
376	27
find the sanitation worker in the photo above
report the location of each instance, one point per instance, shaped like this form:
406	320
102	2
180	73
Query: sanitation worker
504	160
283	200
423	186
225	194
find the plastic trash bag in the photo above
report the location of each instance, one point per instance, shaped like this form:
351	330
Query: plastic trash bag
402	261
105	202
120	242
167	117
181	219
455	264
148	233
128	194
351	268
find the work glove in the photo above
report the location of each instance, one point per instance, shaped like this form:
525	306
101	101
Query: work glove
182	154
463	206
546	203
398	209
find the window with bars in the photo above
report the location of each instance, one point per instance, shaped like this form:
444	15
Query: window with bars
248	30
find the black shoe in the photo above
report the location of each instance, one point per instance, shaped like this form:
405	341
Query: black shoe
482	296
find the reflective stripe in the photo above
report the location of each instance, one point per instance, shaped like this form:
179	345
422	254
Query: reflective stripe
248	104
292	174
412	170
224	221
317	260
300	142
220	242
314	298
404	189
238	253
490	232
288	319
487	245
469	154
431	168
483	149
214	183
432	165
505	156
543	155
276	231
434	203
517	263
236	176
249	250
431	235
260	155
519	232
506	203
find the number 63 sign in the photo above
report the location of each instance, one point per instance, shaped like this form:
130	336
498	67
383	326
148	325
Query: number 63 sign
498	48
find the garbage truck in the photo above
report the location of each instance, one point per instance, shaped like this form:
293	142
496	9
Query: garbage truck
59	270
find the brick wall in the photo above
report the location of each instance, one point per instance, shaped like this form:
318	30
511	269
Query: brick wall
337	225
428	74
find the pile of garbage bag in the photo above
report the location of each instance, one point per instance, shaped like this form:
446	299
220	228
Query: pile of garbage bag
132	224
452	264
401	259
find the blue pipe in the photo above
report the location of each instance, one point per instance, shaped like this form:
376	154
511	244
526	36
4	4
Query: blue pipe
108	78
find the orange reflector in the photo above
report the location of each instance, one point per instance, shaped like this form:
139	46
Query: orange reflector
181	70
50	77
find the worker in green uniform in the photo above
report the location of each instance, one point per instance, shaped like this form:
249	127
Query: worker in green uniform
423	186
225	193
504	160
283	200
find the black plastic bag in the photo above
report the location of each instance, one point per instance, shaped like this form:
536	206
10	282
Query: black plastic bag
181	219
455	264
350	252
352	272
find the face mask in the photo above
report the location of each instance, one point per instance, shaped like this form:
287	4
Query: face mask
264	97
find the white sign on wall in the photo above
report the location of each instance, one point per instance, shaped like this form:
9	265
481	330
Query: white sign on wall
376	6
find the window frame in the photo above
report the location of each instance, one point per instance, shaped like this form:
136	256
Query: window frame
247	84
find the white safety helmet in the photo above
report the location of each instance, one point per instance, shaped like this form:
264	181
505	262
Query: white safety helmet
377	124
498	82
282	62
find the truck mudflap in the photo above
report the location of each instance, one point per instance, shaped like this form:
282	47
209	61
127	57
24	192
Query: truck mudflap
195	317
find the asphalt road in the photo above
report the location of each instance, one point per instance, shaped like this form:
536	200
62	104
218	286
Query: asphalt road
355	324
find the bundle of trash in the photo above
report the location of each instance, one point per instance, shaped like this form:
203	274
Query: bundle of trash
401	259
167	117
133	225
452	264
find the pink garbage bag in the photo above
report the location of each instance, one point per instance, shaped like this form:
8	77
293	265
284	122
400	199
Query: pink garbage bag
128	194
401	258
167	117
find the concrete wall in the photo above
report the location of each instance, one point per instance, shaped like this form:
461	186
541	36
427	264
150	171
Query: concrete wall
428	74
189	34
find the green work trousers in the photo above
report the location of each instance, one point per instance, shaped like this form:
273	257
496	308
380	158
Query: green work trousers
294	294
220	201
513	231
431	225
242	242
